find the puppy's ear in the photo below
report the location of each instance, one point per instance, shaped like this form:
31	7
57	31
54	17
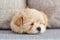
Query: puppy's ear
18	21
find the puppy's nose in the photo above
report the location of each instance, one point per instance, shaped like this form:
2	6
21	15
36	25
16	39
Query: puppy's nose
38	28
24	33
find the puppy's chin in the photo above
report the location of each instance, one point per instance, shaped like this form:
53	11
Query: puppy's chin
43	29
36	32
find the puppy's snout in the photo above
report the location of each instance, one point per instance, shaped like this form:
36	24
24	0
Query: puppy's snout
38	29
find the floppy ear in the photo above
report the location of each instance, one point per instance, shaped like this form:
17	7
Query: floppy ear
18	21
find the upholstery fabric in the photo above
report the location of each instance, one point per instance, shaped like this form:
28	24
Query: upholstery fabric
51	8
7	9
50	34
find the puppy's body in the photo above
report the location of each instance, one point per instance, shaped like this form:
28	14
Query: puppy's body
30	21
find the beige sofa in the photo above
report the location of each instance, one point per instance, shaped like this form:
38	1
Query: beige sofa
9	7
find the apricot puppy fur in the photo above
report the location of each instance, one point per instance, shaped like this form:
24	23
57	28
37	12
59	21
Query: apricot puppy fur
29	21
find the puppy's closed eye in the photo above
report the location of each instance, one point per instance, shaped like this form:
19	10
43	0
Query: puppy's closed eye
32	24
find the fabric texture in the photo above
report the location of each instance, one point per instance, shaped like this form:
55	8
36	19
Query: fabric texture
50	34
7	9
51	8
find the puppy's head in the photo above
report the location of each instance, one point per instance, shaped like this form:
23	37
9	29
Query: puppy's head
29	21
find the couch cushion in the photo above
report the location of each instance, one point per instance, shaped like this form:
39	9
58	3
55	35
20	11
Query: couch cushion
51	8
51	34
7	9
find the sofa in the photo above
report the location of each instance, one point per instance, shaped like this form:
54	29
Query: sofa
9	7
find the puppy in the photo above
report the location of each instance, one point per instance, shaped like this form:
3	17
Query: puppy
29	21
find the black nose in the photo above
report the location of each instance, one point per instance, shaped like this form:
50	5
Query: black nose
24	33
38	28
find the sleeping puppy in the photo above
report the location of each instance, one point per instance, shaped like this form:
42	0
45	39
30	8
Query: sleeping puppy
29	21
